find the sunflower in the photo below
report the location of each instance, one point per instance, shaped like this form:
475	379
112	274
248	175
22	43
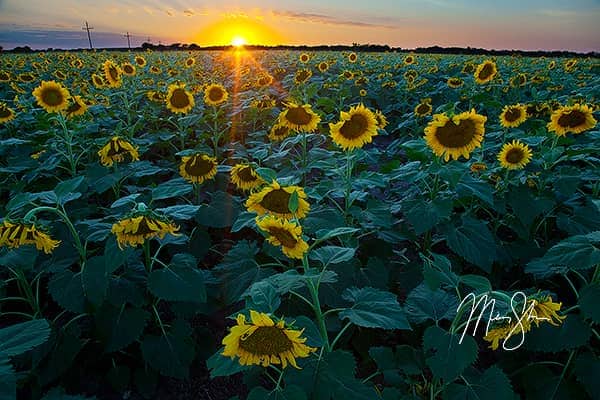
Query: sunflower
570	64
179	100
128	69
264	80
215	94
98	81
112	74
355	128
244	177
190	62
352	57
6	113
454	82
138	228
409	60
513	115
323	66
514	155
140	61
155	70
15	235
380	119
52	96
302	75
304	58
58	74
115	151
198	167
300	118
552	64
29	77
279	132
576	119
286	234
468	68
274	199
362	92
506	331
264	342
77	107
478	167
485	72
155	96
4	76
545	310
423	109
348	75
456	136
264	103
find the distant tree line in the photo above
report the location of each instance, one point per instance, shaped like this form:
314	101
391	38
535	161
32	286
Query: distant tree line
375	48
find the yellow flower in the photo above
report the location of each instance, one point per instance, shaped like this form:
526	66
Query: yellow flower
355	128
381	120
300	118
6	113
198	168
304	58
456	136
264	342
155	96
140	61
302	75
362	92
4	76
286	234
485	72
274	199
409	60
98	81
179	100
576	119
244	177
352	57
128	69
115	151
112	74
513	115
279	132
52	96
135	230
506	331
478	167
454	82
323	66
215	94
264	80
14	235
547	309
77	107
515	155
190	62
423	109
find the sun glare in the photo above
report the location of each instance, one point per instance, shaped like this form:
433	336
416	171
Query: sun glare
238	41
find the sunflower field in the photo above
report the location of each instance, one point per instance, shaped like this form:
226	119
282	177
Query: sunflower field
284	225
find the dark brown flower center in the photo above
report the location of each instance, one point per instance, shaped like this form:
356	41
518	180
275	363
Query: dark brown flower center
281	131
486	71
5	112
29	78
266	340
52	96
276	200
355	127
139	61
284	236
4	76
456	136
302	75
144	228
179	98
572	119
128	69
198	166
246	174
423	109
514	155
512	114
113	73
74	107
215	94
298	116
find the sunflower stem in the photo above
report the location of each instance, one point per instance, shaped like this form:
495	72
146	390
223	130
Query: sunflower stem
216	131
562	374
349	167
68	139
317	307
146	247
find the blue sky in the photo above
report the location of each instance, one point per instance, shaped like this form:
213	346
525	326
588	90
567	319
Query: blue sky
511	24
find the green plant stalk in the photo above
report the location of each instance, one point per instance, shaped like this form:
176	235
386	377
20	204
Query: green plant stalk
68	139
304	157
216	133
63	215
317	307
146	247
349	167
562	374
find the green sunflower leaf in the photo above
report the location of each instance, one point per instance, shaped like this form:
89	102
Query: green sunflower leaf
374	308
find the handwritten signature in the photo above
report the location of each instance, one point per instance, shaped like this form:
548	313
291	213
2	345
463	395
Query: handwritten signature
526	314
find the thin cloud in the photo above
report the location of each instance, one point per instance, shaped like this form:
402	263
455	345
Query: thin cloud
326	19
188	13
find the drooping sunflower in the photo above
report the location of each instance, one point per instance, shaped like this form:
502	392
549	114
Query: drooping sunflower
115	151
155	70
52	96
302	75
478	167
300	118
456	136
179	100
215	94
17	234
140	61
198	168
304	58
284	233
6	113
454	82
77	107
514	155
513	115
422	109
352	57
264	342
58	74
381	120
348	75
544	309
139	228
355	128
244	177
485	72
505	331
112	74
279	132
128	69
274	199
575	119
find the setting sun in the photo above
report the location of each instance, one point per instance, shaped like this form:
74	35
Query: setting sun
237	31
238	41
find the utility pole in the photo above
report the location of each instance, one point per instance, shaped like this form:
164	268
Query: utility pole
88	29
128	42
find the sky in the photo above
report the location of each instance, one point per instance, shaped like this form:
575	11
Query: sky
509	24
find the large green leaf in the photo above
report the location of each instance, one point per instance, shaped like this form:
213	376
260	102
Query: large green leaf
332	254
449	358
573	333
397	363
221	212
59	394
587	371
8	380
290	392
178	283
423	304
470	186
493	384
95	280
589	301
374	308
473	241
19	338
219	365
66	190
119	327
173	188
172	354
424	214
66	288
263	297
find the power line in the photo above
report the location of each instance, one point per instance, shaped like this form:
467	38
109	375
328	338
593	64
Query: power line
88	28
128	42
